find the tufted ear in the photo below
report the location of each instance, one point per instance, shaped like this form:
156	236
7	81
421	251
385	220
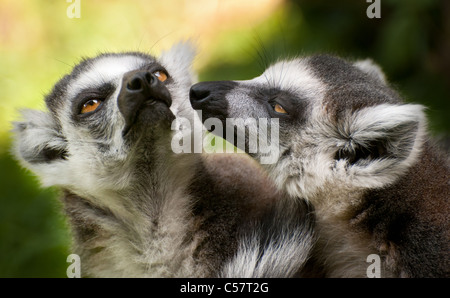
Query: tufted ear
178	61
372	69
381	142
39	145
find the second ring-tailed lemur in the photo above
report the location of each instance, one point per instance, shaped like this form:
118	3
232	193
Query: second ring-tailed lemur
138	209
354	149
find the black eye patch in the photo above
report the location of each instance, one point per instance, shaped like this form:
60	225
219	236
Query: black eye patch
101	93
294	105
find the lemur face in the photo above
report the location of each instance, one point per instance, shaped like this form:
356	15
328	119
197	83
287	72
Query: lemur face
339	122
102	113
108	99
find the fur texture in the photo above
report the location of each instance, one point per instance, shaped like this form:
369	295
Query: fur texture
136	208
358	153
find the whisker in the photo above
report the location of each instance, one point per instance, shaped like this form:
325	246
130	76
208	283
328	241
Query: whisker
263	57
60	61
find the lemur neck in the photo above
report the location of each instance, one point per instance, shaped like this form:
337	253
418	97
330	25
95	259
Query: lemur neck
161	176
151	179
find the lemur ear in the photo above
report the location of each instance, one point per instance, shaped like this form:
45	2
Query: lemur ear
37	142
178	61
381	142
372	69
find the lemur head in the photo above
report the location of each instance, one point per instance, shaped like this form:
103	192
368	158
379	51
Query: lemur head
103	118
340	124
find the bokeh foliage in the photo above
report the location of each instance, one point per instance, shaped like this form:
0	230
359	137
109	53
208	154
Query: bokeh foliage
39	43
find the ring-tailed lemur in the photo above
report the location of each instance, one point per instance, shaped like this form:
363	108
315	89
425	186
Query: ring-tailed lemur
361	155
135	207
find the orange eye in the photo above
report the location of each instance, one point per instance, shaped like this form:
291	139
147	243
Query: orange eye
279	109
90	106
161	75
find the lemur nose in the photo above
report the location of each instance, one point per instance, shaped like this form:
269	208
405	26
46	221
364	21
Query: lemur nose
140	89
142	85
141	79
208	91
200	92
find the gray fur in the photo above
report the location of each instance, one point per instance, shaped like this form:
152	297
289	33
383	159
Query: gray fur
281	239
136	208
359	154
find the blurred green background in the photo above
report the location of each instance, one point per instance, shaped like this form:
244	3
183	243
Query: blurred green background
39	43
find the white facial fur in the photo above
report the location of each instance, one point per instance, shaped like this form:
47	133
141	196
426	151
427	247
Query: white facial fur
311	167
94	162
86	168
294	76
346	132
